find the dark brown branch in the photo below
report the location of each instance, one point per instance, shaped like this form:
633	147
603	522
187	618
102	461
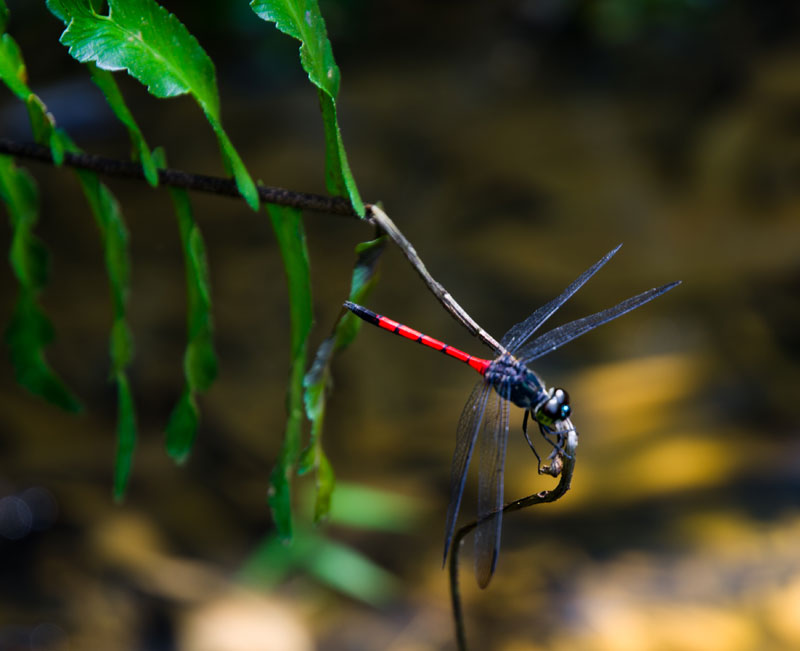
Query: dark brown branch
180	179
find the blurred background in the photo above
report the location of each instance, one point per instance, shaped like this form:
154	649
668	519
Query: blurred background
513	143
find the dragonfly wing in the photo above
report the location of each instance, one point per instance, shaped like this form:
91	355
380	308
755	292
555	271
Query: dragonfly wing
493	439
468	427
557	337
522	331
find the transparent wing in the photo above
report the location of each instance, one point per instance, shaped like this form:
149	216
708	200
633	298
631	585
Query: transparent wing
468	427
522	331
557	337
493	439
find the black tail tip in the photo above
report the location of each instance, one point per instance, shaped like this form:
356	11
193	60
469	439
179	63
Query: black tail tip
668	286
350	305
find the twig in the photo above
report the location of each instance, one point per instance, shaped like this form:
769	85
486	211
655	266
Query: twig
448	302
567	456
180	179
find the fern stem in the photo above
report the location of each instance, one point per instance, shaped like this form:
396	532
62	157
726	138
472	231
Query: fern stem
180	179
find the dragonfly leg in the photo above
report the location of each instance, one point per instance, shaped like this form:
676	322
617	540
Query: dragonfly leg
558	444
530	443
556	458
554	462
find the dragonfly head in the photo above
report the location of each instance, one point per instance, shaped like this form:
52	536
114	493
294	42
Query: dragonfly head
555	408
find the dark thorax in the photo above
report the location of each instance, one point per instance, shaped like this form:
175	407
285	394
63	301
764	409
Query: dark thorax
515	381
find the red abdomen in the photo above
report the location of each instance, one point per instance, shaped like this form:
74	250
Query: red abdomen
386	323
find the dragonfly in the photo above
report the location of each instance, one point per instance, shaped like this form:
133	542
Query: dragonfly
505	380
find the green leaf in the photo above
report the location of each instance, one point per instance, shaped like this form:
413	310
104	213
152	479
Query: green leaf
155	48
3	16
313	457
288	226
364	277
145	39
338	566
182	427
126	437
197	271
105	82
28	257
15	76
301	19
116	249
317	382
45	131
366	507
235	166
352	573
326	481
287	223
200	360
274	559
12	68
121	345
279	494
29	330
363	280
338	177
108	217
